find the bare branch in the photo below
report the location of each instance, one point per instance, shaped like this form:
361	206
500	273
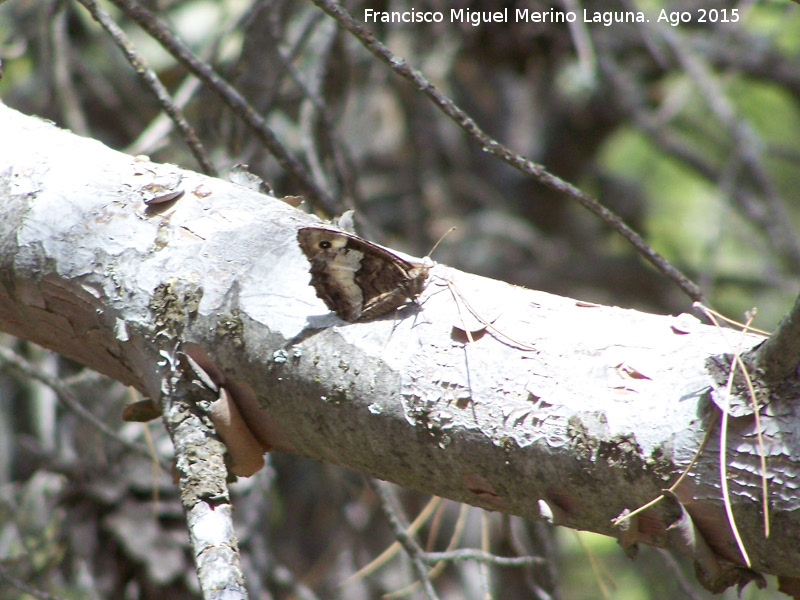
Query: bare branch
199	459
492	146
778	357
11	360
231	97
399	527
151	80
598	413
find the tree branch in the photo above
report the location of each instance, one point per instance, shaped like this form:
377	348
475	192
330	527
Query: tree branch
596	413
204	491
153	83
231	97
778	357
492	146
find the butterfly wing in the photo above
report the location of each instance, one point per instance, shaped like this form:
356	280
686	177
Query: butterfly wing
357	279
333	270
387	284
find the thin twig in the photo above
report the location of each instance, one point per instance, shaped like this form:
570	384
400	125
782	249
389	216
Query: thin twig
723	442
441	565
746	143
483	568
11	359
153	83
415	553
24	587
492	146
744	369
598	569
154	136
762	453
392	550
723	435
230	96
456	293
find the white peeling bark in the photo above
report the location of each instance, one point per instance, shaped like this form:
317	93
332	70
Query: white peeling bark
603	412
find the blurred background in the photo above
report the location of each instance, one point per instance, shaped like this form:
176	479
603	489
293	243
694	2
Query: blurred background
689	132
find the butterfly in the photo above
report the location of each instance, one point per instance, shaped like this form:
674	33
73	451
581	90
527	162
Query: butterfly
359	280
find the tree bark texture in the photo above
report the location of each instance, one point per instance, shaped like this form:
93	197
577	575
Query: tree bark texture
592	411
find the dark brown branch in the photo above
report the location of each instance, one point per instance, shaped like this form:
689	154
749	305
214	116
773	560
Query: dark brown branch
235	101
153	83
492	146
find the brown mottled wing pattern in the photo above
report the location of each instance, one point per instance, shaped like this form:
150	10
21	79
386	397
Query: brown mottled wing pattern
357	279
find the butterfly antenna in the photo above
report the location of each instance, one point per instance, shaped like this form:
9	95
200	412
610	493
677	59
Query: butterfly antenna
446	233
